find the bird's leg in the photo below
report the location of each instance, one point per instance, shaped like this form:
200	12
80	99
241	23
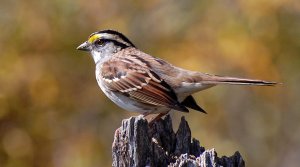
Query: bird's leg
146	114
157	117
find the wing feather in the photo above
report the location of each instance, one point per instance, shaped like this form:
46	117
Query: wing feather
140	83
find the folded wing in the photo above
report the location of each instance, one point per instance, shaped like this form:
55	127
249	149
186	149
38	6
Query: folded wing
139	83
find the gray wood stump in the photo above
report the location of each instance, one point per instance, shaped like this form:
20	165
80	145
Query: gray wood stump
136	144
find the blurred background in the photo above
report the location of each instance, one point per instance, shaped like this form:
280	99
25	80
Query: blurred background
52	113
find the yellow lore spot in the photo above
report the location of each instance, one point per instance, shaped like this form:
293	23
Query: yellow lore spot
94	37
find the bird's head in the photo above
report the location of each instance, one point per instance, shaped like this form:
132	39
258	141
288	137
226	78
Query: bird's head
105	43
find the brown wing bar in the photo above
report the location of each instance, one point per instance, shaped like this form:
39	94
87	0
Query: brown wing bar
139	83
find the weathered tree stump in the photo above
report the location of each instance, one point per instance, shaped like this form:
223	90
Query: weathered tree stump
136	144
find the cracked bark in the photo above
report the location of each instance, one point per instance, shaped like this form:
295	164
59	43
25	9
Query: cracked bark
136	144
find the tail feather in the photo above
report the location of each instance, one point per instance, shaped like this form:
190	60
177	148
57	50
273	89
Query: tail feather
191	103
237	81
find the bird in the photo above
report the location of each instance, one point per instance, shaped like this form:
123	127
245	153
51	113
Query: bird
139	82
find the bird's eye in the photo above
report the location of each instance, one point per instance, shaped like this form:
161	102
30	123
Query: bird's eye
99	42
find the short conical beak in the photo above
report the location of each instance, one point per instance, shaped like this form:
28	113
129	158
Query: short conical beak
85	46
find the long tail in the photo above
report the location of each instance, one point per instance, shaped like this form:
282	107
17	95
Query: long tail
236	81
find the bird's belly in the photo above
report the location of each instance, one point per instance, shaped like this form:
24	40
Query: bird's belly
125	102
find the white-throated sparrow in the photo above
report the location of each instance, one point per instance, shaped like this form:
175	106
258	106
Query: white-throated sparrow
139	82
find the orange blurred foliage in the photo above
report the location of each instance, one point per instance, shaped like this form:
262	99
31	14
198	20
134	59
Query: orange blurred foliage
52	112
